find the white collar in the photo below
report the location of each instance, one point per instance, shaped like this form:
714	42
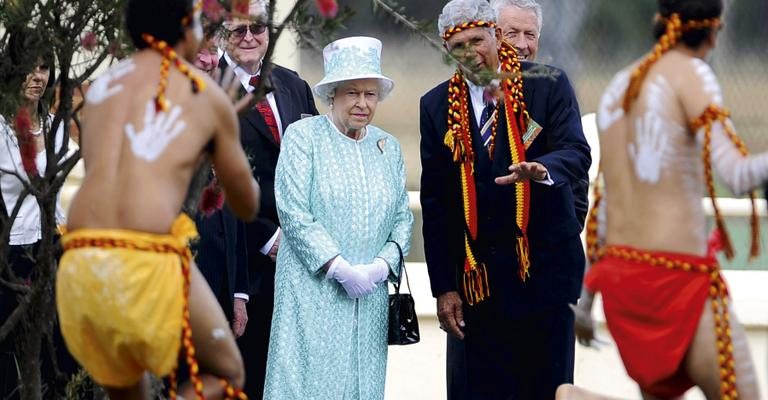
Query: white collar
242	75
477	90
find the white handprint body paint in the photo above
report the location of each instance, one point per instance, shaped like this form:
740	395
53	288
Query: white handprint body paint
651	152
158	131
610	109
647	150
711	86
100	89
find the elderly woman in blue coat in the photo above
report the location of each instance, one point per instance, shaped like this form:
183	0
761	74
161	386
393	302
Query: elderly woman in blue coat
343	206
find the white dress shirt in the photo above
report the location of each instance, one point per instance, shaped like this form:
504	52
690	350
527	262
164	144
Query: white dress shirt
476	96
245	79
26	227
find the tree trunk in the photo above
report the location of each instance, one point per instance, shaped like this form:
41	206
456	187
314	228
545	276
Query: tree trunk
29	344
37	324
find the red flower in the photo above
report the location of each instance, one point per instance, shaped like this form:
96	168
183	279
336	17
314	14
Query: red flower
212	198
714	243
89	41
328	8
26	141
213	10
240	7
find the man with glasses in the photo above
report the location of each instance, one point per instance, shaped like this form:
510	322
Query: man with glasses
245	42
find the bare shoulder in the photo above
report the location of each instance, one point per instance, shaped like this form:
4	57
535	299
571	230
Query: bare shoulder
694	82
686	71
216	99
706	79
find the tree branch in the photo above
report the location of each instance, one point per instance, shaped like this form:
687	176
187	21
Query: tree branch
65	168
23	180
274	34
14	318
16	287
400	18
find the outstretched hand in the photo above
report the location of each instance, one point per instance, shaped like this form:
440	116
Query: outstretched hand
231	85
523	171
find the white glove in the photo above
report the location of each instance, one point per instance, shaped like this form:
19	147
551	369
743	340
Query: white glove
354	280
378	270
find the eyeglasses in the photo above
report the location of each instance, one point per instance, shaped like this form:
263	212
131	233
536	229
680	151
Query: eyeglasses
241	31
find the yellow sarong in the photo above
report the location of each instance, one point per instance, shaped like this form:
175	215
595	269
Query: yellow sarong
120	297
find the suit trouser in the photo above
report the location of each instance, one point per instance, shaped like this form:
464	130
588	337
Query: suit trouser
524	358
254	343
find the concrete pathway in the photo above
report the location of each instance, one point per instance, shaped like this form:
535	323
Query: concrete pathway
418	371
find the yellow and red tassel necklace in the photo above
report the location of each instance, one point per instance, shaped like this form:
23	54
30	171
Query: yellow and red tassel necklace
458	139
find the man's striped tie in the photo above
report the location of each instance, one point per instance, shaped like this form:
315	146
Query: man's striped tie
486	122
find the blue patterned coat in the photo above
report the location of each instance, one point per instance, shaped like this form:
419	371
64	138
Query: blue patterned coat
334	196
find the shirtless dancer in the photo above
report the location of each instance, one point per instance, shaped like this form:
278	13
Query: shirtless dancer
665	302
126	278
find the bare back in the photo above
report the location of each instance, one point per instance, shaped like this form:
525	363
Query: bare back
651	160
139	162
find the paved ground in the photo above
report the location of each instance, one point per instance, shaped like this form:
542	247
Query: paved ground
418	371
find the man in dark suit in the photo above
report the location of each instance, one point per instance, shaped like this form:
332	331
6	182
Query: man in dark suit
221	256
261	132
501	229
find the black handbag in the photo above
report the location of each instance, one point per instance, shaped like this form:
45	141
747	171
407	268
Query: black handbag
403	324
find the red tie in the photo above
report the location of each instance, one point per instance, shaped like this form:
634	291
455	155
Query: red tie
266	112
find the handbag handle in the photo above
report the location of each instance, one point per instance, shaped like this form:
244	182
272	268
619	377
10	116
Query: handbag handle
400	270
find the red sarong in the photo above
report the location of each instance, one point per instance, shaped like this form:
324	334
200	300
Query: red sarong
652	312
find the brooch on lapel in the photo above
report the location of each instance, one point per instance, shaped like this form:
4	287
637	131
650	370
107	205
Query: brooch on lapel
380	144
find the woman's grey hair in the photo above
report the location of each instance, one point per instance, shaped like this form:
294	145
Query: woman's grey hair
532	5
457	12
328	92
